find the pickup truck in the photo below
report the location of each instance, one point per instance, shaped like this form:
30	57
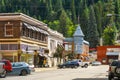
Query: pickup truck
3	72
82	64
5	66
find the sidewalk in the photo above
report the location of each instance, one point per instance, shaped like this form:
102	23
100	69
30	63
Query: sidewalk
45	69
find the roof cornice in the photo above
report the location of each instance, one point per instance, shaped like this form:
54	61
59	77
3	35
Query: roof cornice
22	17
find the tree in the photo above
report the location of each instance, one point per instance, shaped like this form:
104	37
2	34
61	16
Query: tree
84	20
98	13
117	11
109	35
58	53
66	26
92	32
73	11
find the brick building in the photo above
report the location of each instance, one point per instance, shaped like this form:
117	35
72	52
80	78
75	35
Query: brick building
22	37
106	54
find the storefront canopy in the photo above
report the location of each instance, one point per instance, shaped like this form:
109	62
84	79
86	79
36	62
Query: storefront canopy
45	55
35	28
112	53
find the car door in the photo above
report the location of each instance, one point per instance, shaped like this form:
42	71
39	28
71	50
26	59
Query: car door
17	68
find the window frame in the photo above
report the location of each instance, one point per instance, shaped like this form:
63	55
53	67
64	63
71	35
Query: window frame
11	25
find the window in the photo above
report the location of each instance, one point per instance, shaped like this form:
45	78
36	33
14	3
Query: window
78	47
8	30
13	47
4	46
70	47
9	47
66	47
23	31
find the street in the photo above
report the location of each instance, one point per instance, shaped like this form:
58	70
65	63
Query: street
90	73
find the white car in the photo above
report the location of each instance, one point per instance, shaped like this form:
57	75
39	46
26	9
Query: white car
96	63
32	68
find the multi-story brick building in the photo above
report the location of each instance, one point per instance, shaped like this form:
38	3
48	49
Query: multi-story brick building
22	37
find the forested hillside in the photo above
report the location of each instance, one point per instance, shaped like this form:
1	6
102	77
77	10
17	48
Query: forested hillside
65	15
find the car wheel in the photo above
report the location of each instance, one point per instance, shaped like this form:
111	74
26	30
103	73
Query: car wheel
75	66
63	66
117	70
3	75
23	72
86	65
110	77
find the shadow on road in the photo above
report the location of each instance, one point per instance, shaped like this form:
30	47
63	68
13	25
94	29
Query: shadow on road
90	79
93	79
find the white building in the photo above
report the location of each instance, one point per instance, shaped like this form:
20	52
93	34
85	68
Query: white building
54	39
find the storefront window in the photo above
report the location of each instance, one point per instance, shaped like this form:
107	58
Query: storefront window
4	46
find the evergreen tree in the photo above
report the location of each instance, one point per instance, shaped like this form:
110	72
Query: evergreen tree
84	20
117	13
73	11
98	13
65	24
92	33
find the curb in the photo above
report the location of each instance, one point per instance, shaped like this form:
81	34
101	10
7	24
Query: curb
44	69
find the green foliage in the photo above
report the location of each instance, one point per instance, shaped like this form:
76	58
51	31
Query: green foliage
65	24
59	52
92	31
63	15
109	35
71	56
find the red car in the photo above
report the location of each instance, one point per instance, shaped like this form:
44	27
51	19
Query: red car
7	66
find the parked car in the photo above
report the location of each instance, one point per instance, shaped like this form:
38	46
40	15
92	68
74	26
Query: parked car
20	68
114	70
32	67
3	72
82	63
96	63
7	66
69	64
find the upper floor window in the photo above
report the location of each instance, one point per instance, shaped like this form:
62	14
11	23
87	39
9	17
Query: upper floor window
68	47
8	30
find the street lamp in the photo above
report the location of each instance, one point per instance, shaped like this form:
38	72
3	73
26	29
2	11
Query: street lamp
109	15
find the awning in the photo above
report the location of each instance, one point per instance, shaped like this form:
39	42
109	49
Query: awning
112	53
28	26
27	52
36	29
45	55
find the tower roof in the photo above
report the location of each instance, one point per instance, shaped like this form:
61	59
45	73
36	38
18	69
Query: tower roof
78	31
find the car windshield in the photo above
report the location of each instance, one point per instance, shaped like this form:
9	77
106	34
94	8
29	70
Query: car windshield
115	63
96	62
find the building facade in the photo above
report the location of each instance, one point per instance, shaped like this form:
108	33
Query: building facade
106	54
77	45
22	38
55	40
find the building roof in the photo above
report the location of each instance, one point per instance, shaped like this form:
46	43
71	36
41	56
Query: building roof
68	40
86	42
24	18
112	53
78	32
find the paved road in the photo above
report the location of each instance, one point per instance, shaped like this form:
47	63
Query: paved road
90	73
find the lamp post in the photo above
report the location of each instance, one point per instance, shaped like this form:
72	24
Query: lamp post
109	15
